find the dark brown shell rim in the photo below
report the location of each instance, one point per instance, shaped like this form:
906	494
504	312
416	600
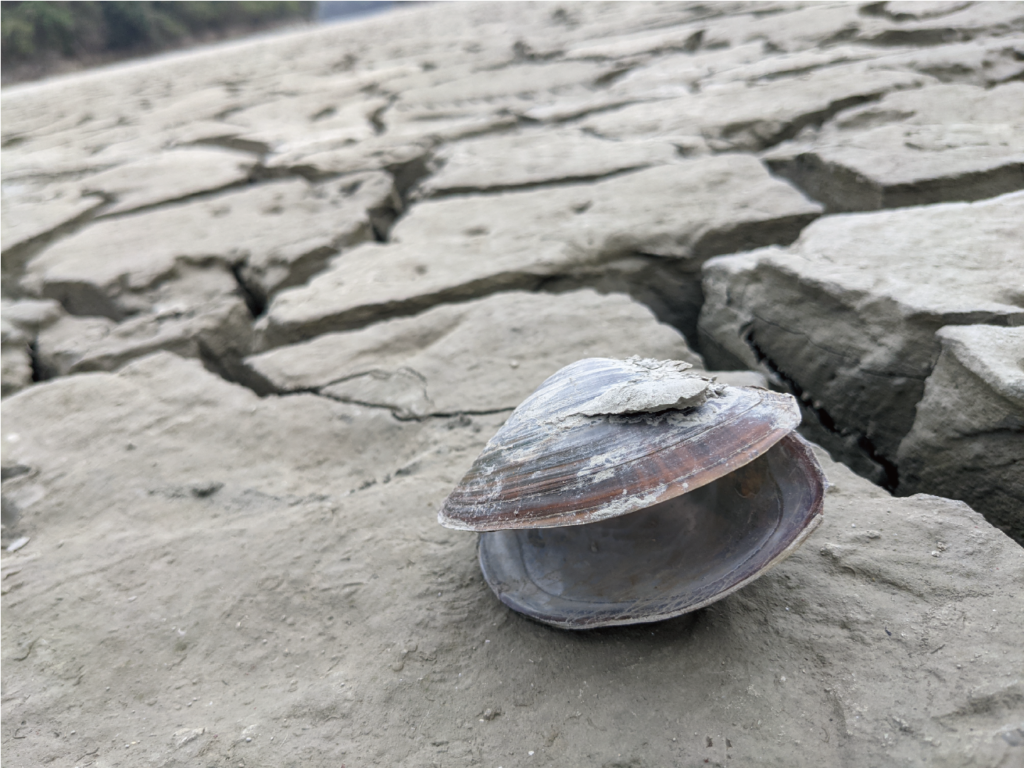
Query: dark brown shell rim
551	487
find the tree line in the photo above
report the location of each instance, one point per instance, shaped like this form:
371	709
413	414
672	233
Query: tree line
31	29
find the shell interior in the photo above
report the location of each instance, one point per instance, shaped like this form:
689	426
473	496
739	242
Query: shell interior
667	559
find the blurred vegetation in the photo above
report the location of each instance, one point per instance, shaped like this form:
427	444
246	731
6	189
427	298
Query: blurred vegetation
47	36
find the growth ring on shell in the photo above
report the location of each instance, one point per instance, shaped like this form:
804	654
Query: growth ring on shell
627	491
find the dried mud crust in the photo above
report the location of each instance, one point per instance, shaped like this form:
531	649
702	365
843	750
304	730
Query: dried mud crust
214	576
264	303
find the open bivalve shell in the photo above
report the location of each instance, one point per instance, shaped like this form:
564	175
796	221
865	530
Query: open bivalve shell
628	491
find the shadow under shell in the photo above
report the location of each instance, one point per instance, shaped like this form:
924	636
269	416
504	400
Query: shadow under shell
665	560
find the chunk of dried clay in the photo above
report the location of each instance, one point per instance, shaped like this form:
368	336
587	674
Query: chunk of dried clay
656	385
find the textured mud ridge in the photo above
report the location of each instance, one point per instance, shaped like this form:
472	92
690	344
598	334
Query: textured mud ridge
264	303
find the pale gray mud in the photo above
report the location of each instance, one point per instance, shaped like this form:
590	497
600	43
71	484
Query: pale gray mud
264	303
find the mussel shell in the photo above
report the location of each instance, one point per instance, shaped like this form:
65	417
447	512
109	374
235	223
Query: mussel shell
665	560
548	466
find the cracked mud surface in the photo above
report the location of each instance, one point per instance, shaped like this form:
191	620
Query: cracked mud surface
264	303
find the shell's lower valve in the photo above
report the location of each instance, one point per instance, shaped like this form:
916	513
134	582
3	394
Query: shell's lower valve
629	491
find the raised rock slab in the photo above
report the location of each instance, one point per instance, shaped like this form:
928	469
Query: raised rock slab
964	23
755	64
15	358
799	29
323	160
740	117
984	62
645	232
218	332
377	620
684	74
967	434
937	144
847	316
30	213
535	158
29	315
279	233
168	176
20	324
15	368
515	83
478	356
331	113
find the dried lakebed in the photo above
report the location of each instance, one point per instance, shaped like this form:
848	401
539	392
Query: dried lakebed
264	303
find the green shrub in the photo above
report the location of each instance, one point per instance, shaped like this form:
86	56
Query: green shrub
38	31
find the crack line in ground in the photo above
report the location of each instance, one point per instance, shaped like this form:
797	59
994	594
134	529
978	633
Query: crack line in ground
564	181
394	409
375	372
188	198
586	112
17	257
824	419
401	415
254	301
842	356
